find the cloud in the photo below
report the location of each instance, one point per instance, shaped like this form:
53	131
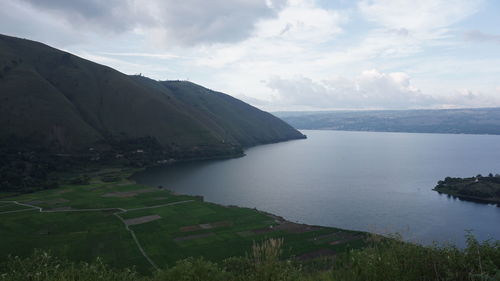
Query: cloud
469	98
190	22
170	22
19	19
422	15
370	90
279	53
302	20
478	36
293	35
109	15
407	27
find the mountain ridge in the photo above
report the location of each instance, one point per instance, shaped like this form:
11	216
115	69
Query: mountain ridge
60	112
70	103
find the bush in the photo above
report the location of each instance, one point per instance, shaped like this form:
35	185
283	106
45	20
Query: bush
192	269
384	260
44	267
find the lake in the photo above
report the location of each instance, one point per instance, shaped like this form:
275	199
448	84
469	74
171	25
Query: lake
370	181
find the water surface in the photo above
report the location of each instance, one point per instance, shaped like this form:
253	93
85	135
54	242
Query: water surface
377	182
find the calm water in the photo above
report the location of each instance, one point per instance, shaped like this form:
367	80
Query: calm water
378	182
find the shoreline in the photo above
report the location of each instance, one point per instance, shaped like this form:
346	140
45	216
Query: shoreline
468	198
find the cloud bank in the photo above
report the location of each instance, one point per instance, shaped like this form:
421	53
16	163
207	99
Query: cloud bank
370	89
285	54
478	36
185	23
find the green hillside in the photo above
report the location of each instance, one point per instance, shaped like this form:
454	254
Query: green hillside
69	103
246	124
58	111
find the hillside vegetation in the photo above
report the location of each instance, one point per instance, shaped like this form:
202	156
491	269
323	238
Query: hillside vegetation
57	110
390	260
100	213
478	188
67	102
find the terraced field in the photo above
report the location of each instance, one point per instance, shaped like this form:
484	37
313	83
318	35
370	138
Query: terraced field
127	225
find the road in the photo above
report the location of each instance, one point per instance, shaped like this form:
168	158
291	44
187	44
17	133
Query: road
116	214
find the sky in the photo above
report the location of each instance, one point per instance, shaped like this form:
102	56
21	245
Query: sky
286	55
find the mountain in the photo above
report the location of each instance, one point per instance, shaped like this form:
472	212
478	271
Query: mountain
453	121
66	103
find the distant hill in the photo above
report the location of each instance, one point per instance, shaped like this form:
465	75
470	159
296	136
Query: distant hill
68	103
453	121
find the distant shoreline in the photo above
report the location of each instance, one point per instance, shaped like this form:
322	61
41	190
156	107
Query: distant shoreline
446	121
402	132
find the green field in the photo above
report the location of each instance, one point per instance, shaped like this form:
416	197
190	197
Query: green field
82	222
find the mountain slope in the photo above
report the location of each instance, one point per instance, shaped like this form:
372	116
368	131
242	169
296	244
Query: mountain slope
68	103
246	124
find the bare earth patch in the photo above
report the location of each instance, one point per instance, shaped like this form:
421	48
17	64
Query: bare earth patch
160	198
141	220
211	225
65	208
190	228
289	227
127	194
296	228
192	237
205	226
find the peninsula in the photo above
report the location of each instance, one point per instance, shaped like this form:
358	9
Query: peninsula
483	189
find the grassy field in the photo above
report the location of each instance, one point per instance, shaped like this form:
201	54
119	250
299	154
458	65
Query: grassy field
82	222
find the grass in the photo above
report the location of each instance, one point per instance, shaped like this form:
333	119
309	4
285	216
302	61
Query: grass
183	230
387	260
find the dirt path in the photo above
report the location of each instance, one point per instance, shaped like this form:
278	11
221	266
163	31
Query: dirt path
116	214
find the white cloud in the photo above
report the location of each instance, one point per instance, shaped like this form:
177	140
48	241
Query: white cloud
478	36
470	98
304	21
279	53
169	22
292	35
19	19
107	16
370	89
418	16
124	65
404	28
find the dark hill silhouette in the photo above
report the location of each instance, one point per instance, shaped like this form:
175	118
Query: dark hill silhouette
67	103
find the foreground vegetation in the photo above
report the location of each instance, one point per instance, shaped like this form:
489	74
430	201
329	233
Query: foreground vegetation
100	213
99	225
386	260
478	188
